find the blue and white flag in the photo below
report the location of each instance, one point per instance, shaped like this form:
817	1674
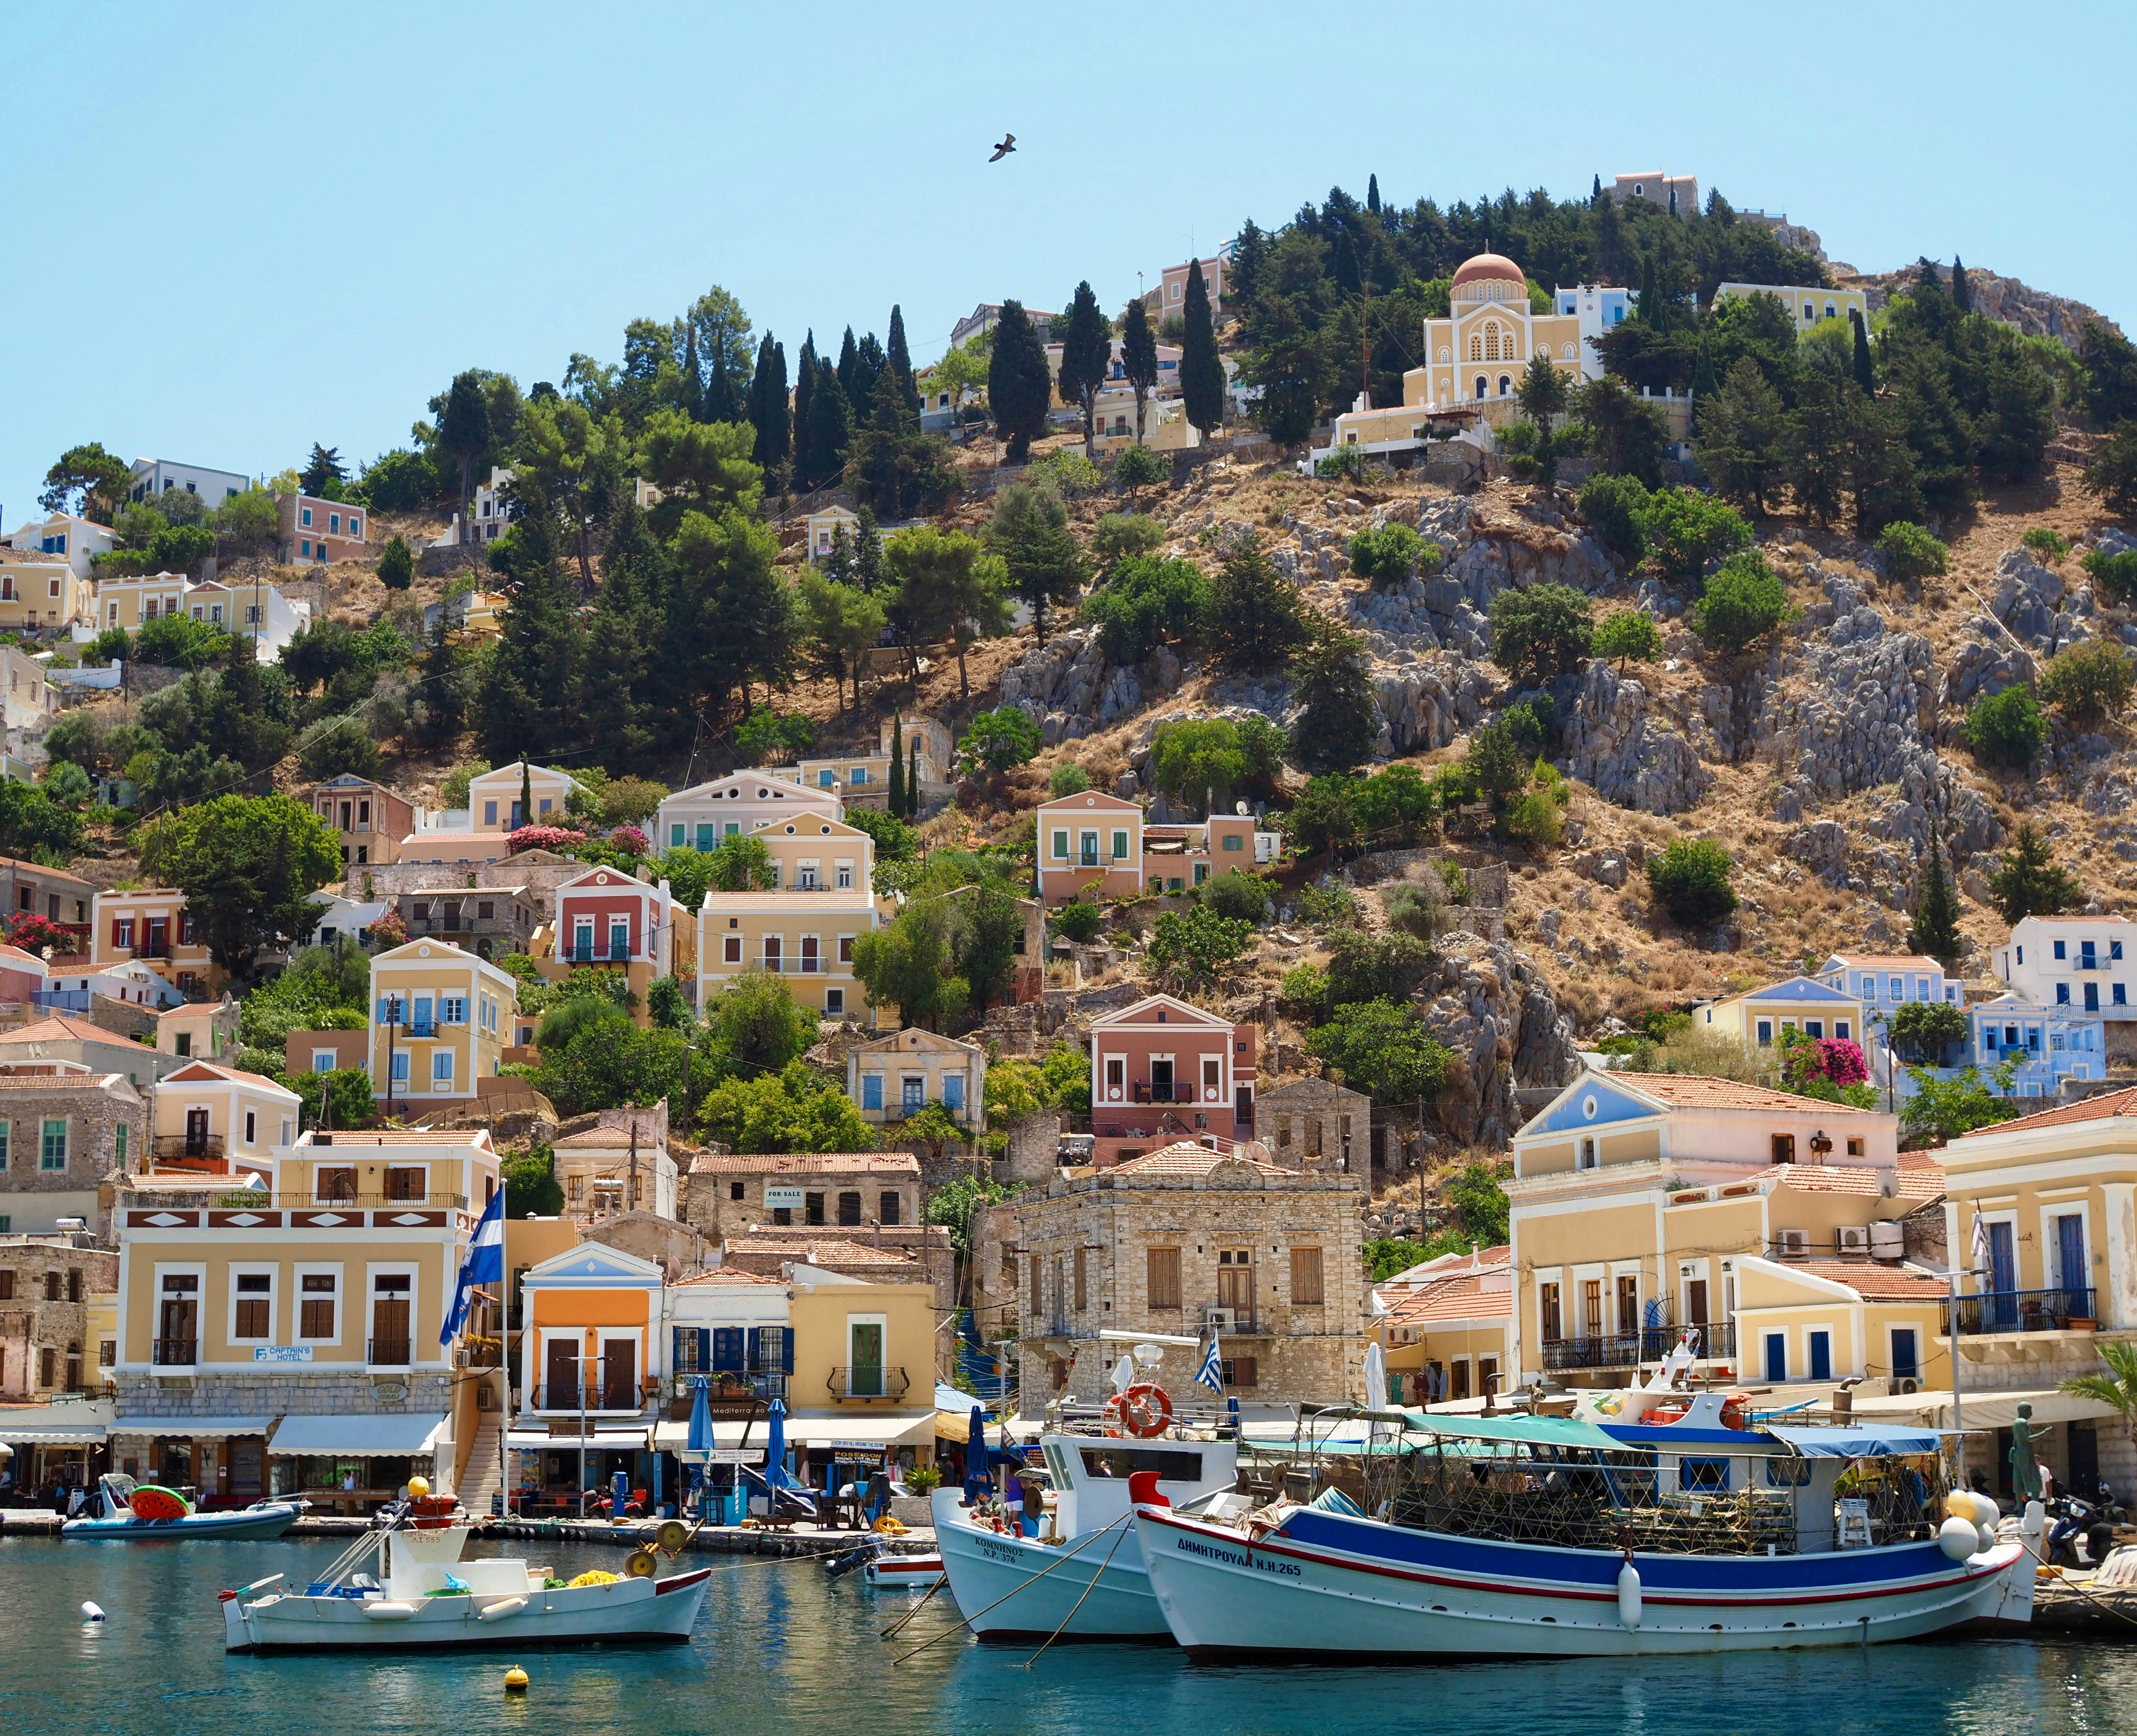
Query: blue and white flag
1211	1374
485	1264
1981	1261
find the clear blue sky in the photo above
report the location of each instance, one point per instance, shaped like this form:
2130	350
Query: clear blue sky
241	228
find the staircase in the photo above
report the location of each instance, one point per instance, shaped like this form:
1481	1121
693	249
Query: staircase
479	1480
981	1367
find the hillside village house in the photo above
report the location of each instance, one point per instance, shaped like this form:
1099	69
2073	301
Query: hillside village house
131	984
1758	1017
1183	1241
1092	838
590	1337
205	1110
730	1192
60	1042
608	918
733	1324
619	1164
39	593
48	1344
487	921
805	926
1883	983
863	779
892	1077
1807	306
1303	1119
24	977
440	1021
2088	962
316	531
256	611
478	832
1635	1197
1679	193
152	925
59	897
1449	1336
28	701
865	1363
489	514
701	815
987	315
1869	1320
1164	1070
198	1030
824	525
64	1128
1171	292
131	600
2056	1195
369	818
154	477
79	540
313	1316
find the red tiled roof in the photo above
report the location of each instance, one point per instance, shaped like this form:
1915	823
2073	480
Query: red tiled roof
58	1028
2103	1107
1894	1283
728	1275
1455	1298
216	1070
1699	1090
1186	1157
805	1163
1917	1182
1882	961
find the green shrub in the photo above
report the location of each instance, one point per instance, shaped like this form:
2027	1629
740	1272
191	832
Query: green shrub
1347	462
1627	635
2044	542
998	740
1138	467
1081	921
1069	472
1067	779
1911	552
1240	894
178	643
1331	903
2115	575
1533	723
2006	728
1540	633
1382	1048
396	564
1611	507
1686	532
1415	909
2088	683
1147	601
1391	554
1744	602
1117	535
1690	880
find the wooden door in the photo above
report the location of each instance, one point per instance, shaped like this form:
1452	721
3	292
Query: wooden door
619	1375
561	1377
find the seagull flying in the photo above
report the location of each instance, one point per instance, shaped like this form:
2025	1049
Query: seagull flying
1003	149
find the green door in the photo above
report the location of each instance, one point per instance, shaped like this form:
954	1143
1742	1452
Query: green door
864	1377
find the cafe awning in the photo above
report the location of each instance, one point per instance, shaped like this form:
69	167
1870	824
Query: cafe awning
1864	1440
726	1435
385	1436
1980	1411
199	1428
55	1425
526	1439
868	1429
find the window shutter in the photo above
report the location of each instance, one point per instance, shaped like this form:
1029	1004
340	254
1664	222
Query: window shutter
727	1349
704	1348
755	1346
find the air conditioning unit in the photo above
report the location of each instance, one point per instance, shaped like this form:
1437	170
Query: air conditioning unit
1908	1384
1854	1238
1223	1319
1794	1244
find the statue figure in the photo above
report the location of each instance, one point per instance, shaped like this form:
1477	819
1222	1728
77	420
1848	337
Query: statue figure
2025	1468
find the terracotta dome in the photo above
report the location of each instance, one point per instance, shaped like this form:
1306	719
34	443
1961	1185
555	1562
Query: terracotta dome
1489	265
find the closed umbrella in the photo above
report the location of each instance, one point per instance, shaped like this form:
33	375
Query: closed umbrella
1376	1378
978	1484
775	1447
697	1444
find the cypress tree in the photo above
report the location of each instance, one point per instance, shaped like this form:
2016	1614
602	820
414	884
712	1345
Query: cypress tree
896	800
692	398
1672	204
1962	292
1342	264
1201	374
1085	357
720	399
1650	310
1020	386
767	406
526	789
1935	927
1595	193
1373	194
1866	371
850	359
1703	381
900	359
830	426
444	712
805	397
870	364
1138	356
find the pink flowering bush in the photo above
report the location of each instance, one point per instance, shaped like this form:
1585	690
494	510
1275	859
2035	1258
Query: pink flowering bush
1832	1069
629	841
542	838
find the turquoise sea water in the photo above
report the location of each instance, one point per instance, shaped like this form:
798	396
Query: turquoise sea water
780	1649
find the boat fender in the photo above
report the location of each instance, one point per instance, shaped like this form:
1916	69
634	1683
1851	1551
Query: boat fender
499	1610
1958	1538
1143	1490
1628	1594
388	1611
94	1613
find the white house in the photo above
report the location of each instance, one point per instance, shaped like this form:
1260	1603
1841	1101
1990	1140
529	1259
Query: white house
2088	962
258	611
345	918
741	802
132	982
66	533
156	476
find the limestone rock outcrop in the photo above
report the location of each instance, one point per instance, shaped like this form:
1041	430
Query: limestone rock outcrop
1616	745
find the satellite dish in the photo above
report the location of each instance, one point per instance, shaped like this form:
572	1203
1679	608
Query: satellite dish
1240	809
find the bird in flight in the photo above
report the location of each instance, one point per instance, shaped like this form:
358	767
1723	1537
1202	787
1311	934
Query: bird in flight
1003	149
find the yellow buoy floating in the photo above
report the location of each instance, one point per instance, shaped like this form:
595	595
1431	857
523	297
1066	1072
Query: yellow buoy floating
515	1680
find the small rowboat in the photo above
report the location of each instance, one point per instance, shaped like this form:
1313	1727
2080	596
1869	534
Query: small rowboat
891	1570
132	1513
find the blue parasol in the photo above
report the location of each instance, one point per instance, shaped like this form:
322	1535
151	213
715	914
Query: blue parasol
699	1440
978	1483
1232	1414
775	1475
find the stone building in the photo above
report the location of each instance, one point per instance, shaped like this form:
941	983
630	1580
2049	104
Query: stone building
64	1128
1303	1119
730	1192
1183	1241
46	1284
856	1253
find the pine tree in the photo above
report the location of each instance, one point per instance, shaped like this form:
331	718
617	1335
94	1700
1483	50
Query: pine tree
829	427
896	799
2030	883
526	695
1338	720
1962	292
1373	194
1020	385
900	359
767	407
1046	565
1201	373
803	464
1138	356
621	644
1086	358
1935	927
1866	371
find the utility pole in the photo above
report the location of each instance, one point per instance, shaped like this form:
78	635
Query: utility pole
632	1199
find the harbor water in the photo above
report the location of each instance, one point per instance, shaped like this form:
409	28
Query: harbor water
780	1649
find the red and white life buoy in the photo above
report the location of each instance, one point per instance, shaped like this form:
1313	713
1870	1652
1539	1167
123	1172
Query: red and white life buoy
1143	1411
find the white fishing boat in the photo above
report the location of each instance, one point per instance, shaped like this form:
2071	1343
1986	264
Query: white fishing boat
425	1595
1674	1526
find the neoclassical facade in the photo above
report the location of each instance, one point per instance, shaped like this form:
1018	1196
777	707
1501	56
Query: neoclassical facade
1478	351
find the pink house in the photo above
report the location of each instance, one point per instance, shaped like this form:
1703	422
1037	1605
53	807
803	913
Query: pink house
1092	839
1163	1071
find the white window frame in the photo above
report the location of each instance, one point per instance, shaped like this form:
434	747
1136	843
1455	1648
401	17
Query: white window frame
299	1271
410	1270
441	1068
272	1271
881	1320
606	1335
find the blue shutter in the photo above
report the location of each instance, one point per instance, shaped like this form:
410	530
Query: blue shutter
786	1349
757	1347
704	1348
379	1017
871	1091
727	1349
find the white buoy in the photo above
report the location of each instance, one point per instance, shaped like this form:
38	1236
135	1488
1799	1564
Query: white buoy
92	1613
1958	1538
1628	1594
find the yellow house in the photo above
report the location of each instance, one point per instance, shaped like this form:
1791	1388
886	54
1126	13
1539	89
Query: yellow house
289	1340
152	925
129	599
804	927
440	1021
1635	1195
40	592
1835	1319
1807	306
863	1364
206	1110
1450	1338
494	797
893	1077
1758	1018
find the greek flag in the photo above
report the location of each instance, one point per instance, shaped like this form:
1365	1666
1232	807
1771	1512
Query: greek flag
1211	1374
485	1264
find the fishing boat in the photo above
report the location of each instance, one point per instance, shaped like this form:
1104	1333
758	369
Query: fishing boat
1659	1522
128	1512
424	1595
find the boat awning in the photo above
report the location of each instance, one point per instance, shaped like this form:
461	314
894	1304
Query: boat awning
201	1428
55	1425
605	1440
862	1428
394	1436
1867	1441
726	1435
1535	1430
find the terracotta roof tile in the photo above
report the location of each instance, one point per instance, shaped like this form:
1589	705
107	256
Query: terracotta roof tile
1699	1090
2103	1107
805	1163
728	1275
1186	1157
60	1029
1883	961
1461	1298
1893	1282
1918	1182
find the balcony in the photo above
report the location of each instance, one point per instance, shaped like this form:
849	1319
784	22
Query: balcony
386	1353
730	1396
1180	1091
557	1398
2021	1310
866	1383
1243	1322
176	1352
596	955
183	1146
62	1001
305	1200
153	950
779	965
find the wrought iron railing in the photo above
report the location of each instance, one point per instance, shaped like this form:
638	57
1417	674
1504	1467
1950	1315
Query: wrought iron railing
189	1145
1612	1350
2020	1310
388	1352
1179	1091
177	1353
558	1399
868	1380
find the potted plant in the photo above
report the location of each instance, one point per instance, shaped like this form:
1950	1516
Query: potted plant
924	1479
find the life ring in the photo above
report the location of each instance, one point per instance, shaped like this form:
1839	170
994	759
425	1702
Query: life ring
1736	1411
1144	1410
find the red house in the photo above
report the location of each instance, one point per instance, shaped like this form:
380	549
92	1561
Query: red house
605	917
1163	1071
